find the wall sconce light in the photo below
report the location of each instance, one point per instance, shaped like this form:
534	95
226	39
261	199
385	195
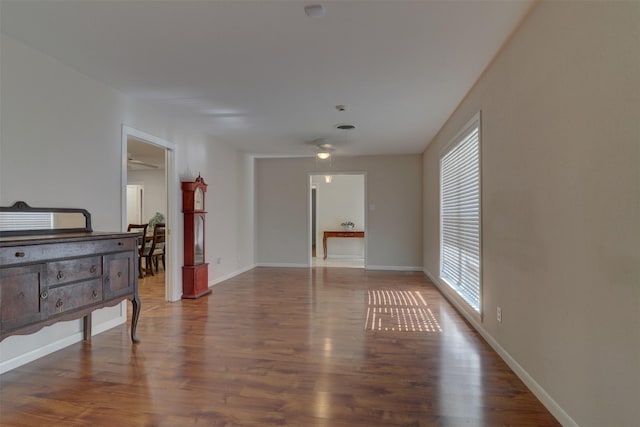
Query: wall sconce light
328	178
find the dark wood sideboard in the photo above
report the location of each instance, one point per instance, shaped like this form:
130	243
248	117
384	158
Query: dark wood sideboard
45	279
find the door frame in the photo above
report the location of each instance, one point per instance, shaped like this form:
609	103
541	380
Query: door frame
173	288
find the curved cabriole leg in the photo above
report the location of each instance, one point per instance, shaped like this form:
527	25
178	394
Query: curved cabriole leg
134	318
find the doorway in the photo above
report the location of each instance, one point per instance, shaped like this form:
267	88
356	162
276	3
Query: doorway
314	218
135	203
149	165
335	201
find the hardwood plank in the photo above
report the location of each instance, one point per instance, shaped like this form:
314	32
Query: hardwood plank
275	347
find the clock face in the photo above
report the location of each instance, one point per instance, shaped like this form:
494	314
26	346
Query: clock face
198	200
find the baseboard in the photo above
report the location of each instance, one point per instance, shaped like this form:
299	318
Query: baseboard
30	356
278	265
392	267
231	275
104	326
527	379
47	349
358	257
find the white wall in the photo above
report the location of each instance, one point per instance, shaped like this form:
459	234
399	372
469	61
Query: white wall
230	204
394	226
561	206
246	211
60	146
339	201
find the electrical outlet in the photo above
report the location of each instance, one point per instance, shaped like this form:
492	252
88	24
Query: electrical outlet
499	314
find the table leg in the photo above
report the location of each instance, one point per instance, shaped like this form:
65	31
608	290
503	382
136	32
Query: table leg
86	327
135	301
324	246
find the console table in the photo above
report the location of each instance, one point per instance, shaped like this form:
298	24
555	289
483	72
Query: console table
46	279
327	234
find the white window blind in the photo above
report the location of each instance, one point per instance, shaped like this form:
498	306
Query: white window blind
26	221
460	215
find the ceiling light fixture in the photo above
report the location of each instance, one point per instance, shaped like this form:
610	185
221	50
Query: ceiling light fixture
323	148
323	155
314	10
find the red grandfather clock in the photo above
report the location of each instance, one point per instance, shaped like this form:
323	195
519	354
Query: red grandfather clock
195	272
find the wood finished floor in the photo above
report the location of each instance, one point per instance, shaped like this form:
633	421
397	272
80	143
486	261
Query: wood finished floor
274	347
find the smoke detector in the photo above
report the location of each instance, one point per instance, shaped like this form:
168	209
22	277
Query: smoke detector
314	10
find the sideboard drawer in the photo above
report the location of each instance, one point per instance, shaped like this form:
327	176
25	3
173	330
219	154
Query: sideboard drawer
69	297
74	269
44	252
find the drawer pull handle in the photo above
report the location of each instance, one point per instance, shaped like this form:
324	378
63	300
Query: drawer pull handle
120	243
94	294
93	269
59	303
19	254
60	275
119	274
44	294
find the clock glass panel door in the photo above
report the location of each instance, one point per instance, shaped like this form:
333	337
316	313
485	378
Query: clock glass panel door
198	240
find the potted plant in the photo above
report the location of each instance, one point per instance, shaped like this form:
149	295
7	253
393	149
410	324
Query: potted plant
158	218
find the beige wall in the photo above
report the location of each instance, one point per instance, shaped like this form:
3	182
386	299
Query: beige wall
394	226
561	205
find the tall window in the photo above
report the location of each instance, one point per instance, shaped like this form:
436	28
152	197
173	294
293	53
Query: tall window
460	214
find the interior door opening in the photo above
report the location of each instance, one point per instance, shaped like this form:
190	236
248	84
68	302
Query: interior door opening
337	220
148	165
147	204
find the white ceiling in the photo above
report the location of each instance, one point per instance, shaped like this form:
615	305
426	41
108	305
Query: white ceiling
265	78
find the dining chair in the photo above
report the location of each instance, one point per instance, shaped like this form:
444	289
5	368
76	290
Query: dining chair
157	250
142	244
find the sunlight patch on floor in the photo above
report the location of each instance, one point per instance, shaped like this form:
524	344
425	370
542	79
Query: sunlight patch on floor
402	311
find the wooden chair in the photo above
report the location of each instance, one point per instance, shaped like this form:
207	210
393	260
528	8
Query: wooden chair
142	244
157	250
